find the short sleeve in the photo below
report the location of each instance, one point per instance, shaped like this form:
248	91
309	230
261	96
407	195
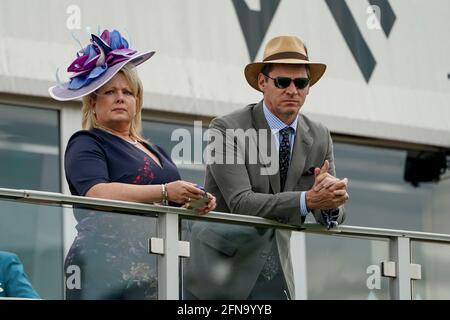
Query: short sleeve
17	282
85	163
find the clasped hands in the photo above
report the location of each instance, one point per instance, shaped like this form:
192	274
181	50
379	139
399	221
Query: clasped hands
328	192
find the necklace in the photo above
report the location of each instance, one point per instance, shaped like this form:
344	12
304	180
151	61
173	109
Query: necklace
133	141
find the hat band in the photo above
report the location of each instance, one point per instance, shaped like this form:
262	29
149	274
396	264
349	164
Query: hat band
286	55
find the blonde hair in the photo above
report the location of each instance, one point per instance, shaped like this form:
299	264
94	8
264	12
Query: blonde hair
89	120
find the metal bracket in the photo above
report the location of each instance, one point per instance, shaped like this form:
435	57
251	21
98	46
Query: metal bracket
416	271
184	249
388	269
156	245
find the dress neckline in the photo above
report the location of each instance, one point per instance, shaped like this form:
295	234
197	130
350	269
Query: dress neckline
145	144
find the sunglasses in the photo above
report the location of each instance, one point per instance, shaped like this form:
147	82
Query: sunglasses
284	82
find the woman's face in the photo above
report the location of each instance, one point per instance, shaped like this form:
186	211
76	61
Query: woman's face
114	104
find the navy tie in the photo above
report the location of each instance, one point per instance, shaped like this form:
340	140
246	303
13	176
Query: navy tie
284	154
272	265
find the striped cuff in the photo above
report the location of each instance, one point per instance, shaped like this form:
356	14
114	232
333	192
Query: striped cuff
303	208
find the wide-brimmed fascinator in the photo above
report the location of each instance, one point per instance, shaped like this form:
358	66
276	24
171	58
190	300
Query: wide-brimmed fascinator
96	64
284	50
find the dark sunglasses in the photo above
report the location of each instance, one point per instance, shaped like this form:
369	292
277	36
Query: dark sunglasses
284	82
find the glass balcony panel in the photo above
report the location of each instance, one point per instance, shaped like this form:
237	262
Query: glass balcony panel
434	259
227	260
108	259
33	232
345	268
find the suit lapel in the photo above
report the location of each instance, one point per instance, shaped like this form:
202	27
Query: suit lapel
302	146
260	122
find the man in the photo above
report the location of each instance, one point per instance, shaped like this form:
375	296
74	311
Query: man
238	262
14	282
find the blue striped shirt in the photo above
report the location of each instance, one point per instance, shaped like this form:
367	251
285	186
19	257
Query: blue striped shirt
276	125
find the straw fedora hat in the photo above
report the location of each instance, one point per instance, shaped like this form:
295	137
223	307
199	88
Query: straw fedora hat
284	50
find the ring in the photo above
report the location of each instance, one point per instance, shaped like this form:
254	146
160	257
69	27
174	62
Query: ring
189	200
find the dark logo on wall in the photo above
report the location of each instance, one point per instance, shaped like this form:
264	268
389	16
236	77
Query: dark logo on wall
352	35
254	25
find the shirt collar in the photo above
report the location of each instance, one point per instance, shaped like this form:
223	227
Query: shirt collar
276	124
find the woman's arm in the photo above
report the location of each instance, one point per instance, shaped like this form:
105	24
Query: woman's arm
177	191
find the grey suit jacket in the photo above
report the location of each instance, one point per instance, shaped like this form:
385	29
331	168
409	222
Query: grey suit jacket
226	260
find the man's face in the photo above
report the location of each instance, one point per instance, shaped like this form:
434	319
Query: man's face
284	103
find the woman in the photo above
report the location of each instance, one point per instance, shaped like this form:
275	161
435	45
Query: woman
110	159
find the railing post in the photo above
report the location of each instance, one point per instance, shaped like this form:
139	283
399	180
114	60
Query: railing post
298	241
168	264
400	252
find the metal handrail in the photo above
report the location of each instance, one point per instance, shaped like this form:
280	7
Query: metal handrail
358	231
40	197
44	197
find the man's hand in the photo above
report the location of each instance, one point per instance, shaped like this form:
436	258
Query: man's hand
328	192
322	178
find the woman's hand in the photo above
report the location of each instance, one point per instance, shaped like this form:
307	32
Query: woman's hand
182	192
210	205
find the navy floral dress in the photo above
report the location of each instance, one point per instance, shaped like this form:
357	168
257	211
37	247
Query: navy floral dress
110	249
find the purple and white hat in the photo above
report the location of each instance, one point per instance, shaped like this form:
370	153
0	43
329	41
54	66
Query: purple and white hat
96	64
